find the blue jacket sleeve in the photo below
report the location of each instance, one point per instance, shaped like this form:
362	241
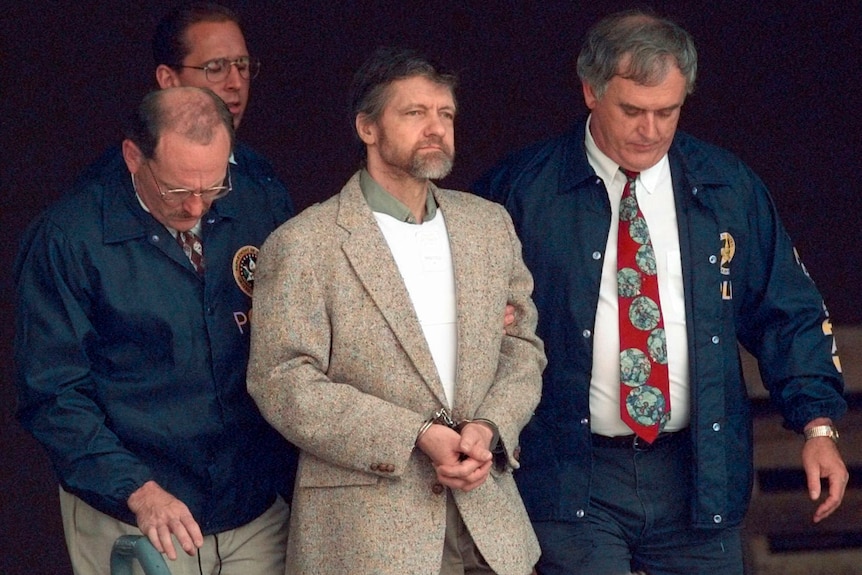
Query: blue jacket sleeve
57	401
783	320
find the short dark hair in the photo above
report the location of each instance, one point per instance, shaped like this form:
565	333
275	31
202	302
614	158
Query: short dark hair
169	40
646	44
195	113
384	66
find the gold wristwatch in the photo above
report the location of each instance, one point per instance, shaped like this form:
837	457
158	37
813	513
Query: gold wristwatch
822	431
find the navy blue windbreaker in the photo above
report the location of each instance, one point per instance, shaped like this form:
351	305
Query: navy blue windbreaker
130	367
743	284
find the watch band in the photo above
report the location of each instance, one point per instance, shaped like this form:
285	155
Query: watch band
822	431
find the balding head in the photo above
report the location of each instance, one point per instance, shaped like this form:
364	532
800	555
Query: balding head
197	114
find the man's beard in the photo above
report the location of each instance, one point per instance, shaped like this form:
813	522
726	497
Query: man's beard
430	166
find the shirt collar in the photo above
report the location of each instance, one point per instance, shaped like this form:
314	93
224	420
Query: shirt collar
607	169
379	200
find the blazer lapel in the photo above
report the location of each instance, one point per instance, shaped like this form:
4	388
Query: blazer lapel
471	295
367	251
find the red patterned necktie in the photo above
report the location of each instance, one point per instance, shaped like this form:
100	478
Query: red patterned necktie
644	383
193	249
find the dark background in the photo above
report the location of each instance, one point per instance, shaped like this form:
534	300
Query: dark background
779	84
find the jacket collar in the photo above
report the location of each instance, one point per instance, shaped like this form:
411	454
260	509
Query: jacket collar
576	169
124	219
690	161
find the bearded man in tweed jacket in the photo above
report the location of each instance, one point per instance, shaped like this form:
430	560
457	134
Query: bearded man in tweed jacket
378	348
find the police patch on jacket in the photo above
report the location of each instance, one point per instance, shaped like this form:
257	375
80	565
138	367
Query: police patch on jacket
244	262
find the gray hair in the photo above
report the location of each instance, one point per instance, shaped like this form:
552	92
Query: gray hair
638	46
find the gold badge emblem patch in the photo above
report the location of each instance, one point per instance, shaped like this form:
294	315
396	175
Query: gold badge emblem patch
244	262
728	249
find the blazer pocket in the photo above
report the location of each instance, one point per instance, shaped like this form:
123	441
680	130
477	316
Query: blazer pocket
315	472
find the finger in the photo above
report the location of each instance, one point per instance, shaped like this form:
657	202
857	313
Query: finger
813	480
153	535
194	531
167	544
461	484
475	440
825	509
183	538
485	469
480	475
460	470
467	467
837	486
473	485
476	450
475	479
450	483
509	316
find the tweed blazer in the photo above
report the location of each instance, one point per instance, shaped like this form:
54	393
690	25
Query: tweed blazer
340	366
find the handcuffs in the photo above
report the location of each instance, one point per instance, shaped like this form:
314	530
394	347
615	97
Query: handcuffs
443	417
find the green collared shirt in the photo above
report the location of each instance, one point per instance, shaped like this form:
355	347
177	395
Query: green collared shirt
379	200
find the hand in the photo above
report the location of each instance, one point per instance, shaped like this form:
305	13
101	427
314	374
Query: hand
821	460
159	514
476	457
441	444
460	462
508	317
476	438
466	475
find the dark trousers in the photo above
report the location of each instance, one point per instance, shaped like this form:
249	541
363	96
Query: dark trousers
639	520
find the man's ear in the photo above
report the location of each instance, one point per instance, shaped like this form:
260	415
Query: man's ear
166	77
366	129
133	156
590	97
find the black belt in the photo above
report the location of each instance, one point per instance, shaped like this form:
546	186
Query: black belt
635	443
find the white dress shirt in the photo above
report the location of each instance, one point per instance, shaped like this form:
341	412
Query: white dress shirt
654	192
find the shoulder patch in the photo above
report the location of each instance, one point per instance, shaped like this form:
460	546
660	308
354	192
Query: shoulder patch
244	262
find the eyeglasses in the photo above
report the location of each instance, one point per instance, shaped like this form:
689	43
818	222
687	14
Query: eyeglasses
217	70
179	195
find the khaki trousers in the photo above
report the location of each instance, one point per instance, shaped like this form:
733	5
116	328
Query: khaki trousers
460	554
257	548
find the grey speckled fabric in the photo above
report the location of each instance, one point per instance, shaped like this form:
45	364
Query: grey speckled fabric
339	365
